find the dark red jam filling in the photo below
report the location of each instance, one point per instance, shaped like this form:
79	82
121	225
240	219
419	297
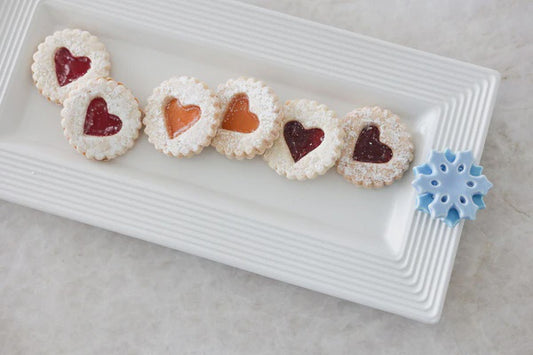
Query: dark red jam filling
369	149
301	141
99	122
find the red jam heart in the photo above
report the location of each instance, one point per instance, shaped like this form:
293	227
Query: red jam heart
238	117
301	141
68	67
99	122
368	148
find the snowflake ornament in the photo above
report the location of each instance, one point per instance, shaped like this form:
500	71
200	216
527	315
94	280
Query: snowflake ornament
450	186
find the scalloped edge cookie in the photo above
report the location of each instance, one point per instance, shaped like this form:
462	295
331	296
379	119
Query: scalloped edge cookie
189	91
310	114
264	103
120	102
392	133
79	43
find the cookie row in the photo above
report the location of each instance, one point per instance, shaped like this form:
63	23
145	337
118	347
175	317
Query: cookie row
302	139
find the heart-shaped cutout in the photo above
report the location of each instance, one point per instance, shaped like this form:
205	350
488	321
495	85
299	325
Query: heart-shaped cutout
368	148
301	141
180	118
238	117
99	122
69	67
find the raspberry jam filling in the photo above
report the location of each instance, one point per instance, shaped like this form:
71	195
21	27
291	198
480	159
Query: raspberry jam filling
99	122
301	141
238	117
369	149
68	67
180	118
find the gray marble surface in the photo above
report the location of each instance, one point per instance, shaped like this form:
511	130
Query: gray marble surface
69	288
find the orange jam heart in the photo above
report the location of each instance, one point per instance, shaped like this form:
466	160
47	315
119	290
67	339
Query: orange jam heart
368	148
99	122
68	67
180	118
238	117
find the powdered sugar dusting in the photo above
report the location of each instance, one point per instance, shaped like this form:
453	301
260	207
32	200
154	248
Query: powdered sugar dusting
264	104
79	43
189	91
392	133
317	162
120	102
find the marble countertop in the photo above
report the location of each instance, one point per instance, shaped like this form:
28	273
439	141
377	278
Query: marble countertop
86	290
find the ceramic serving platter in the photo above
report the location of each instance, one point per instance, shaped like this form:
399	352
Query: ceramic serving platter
366	246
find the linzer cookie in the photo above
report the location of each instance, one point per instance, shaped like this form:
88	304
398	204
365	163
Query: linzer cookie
377	149
182	116
101	119
310	142
251	118
66	59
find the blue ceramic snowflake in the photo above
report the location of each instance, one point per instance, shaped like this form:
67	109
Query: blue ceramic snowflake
450	186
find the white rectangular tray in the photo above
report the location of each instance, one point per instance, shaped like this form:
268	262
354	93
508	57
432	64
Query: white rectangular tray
369	247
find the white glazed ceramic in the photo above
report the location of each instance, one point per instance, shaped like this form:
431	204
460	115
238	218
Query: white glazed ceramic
366	246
